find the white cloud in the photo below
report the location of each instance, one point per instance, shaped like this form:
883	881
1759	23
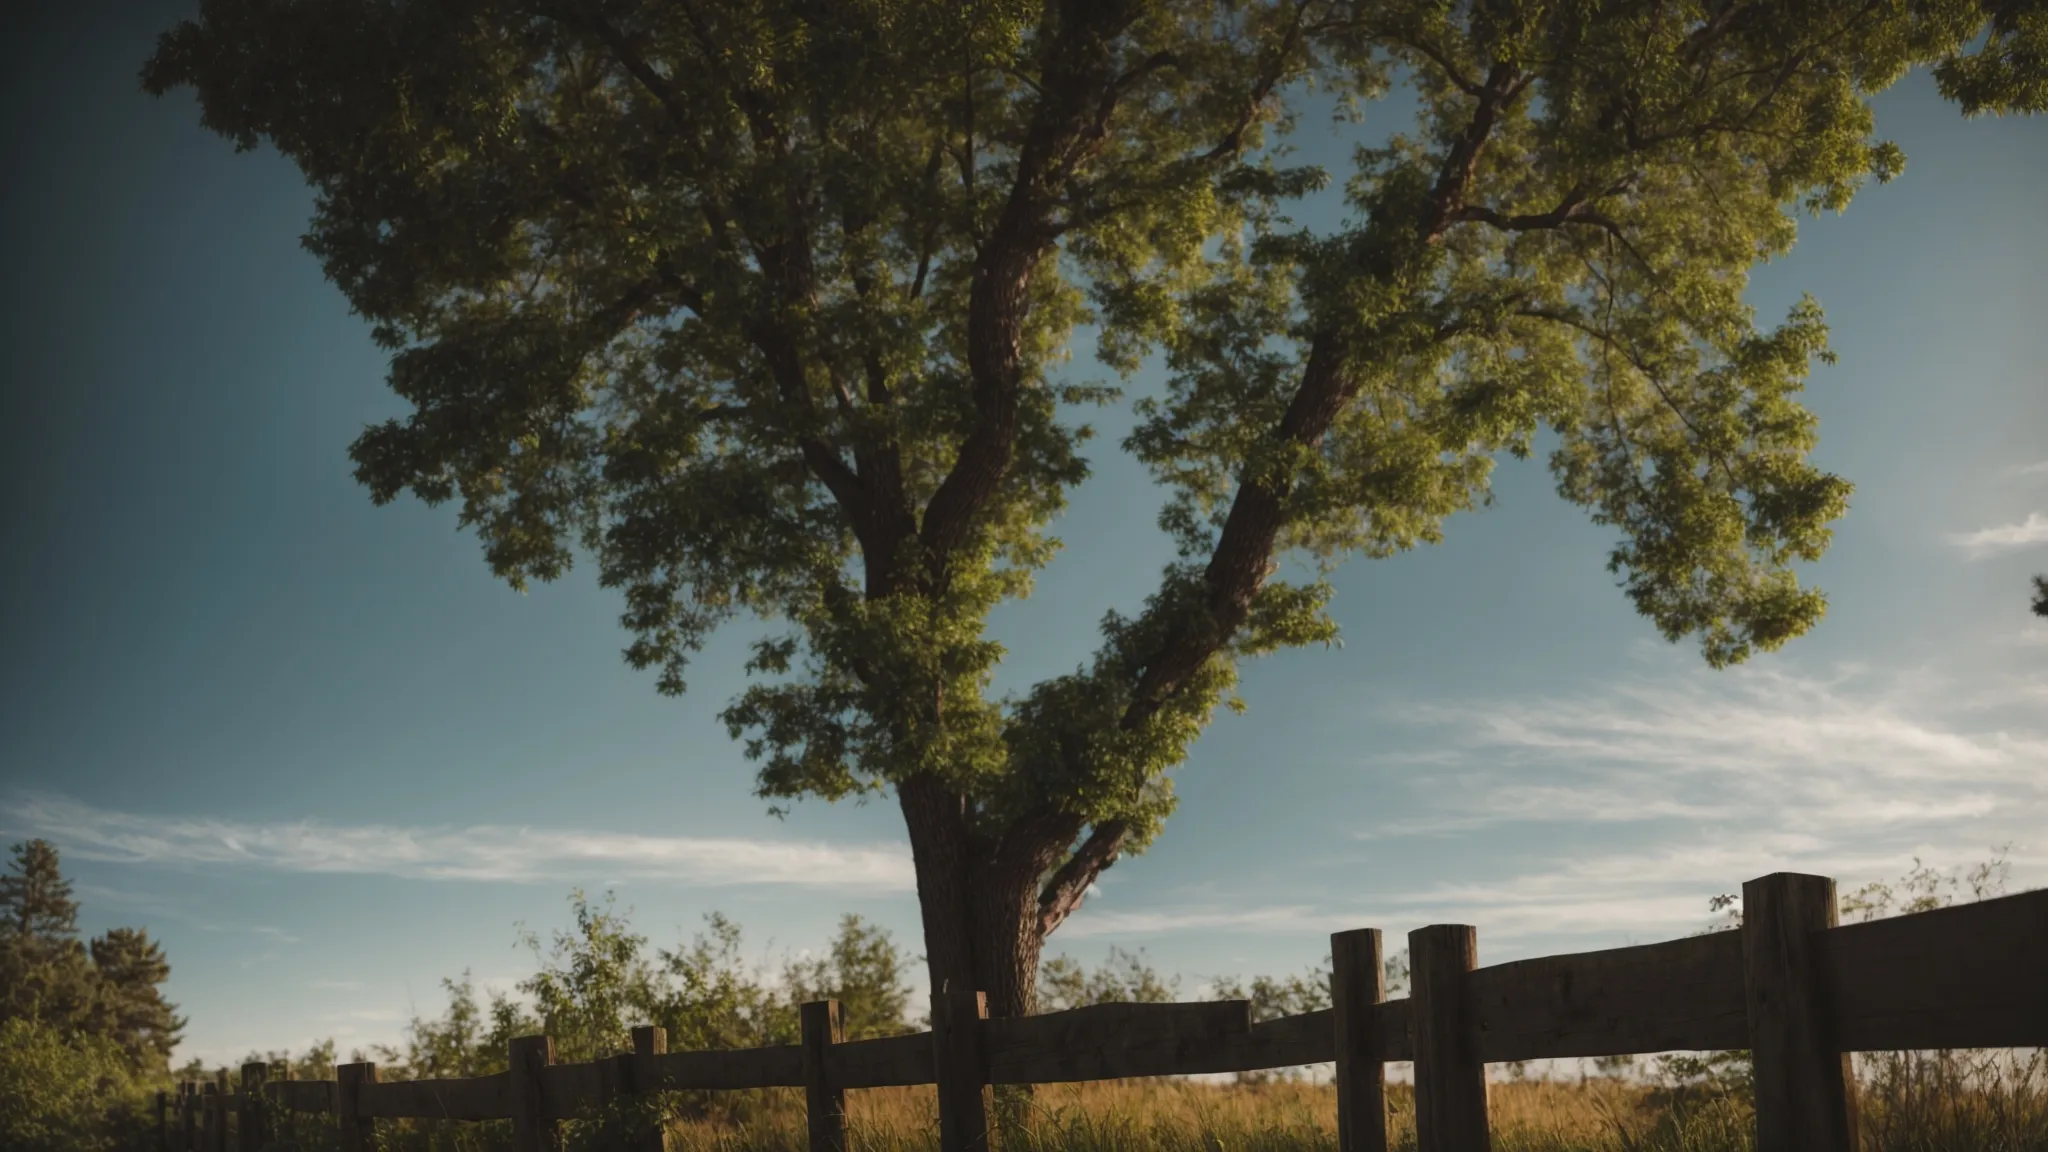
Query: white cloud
482	852
2028	471
2028	533
1628	806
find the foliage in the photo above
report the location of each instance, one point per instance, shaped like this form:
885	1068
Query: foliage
109	988
761	305
66	1091
130	1008
2041	595
861	970
45	972
1122	978
596	980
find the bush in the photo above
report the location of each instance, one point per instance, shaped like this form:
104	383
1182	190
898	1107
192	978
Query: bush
66	1091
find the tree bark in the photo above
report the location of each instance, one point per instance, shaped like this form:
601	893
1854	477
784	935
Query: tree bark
936	818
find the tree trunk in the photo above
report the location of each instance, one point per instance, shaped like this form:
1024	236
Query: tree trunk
979	903
1007	940
936	818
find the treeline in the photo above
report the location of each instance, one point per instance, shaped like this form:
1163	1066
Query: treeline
595	980
84	1026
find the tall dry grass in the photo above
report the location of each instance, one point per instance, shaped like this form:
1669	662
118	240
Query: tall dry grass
1911	1102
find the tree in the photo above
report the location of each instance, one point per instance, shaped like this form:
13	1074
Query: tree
2041	595
130	1008
863	971
35	897
45	974
760	306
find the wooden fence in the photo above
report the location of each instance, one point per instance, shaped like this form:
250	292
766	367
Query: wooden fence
1791	986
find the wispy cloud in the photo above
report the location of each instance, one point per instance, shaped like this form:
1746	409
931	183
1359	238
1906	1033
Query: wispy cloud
2029	533
481	852
1631	803
2036	471
1838	756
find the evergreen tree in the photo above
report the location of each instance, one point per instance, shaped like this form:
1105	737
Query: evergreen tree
45	974
131	1009
36	896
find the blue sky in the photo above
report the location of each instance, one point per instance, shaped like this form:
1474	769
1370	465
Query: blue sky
318	751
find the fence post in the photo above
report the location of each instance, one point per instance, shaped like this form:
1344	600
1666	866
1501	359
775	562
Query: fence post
1357	987
163	1128
188	1119
649	1042
1450	1078
221	1099
210	1117
356	1128
960	1065
252	1109
1805	1090
824	1104
532	1130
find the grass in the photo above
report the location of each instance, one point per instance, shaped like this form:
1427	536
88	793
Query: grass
1931	1102
1917	1102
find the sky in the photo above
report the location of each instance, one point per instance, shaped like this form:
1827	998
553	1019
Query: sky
315	749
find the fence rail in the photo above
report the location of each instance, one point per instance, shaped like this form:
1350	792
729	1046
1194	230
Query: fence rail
1791	986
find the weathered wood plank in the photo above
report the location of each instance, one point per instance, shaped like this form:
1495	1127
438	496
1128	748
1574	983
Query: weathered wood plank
1111	1041
1680	994
1357	988
882	1063
1450	1073
780	1066
824	1102
474	1098
303	1095
1971	976
1291	1041
1805	1090
570	1091
1284	1042
960	1062
357	1130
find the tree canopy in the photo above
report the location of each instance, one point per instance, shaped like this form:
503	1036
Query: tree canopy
761	306
107	991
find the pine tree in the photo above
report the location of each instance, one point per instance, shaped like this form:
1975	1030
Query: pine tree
35	895
44	971
131	1009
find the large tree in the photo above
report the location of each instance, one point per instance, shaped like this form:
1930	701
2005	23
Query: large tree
760	305
111	988
45	972
130	1009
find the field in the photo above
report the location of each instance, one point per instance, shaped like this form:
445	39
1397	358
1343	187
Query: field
1911	1103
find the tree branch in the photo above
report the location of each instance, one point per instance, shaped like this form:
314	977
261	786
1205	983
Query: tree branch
1062	895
